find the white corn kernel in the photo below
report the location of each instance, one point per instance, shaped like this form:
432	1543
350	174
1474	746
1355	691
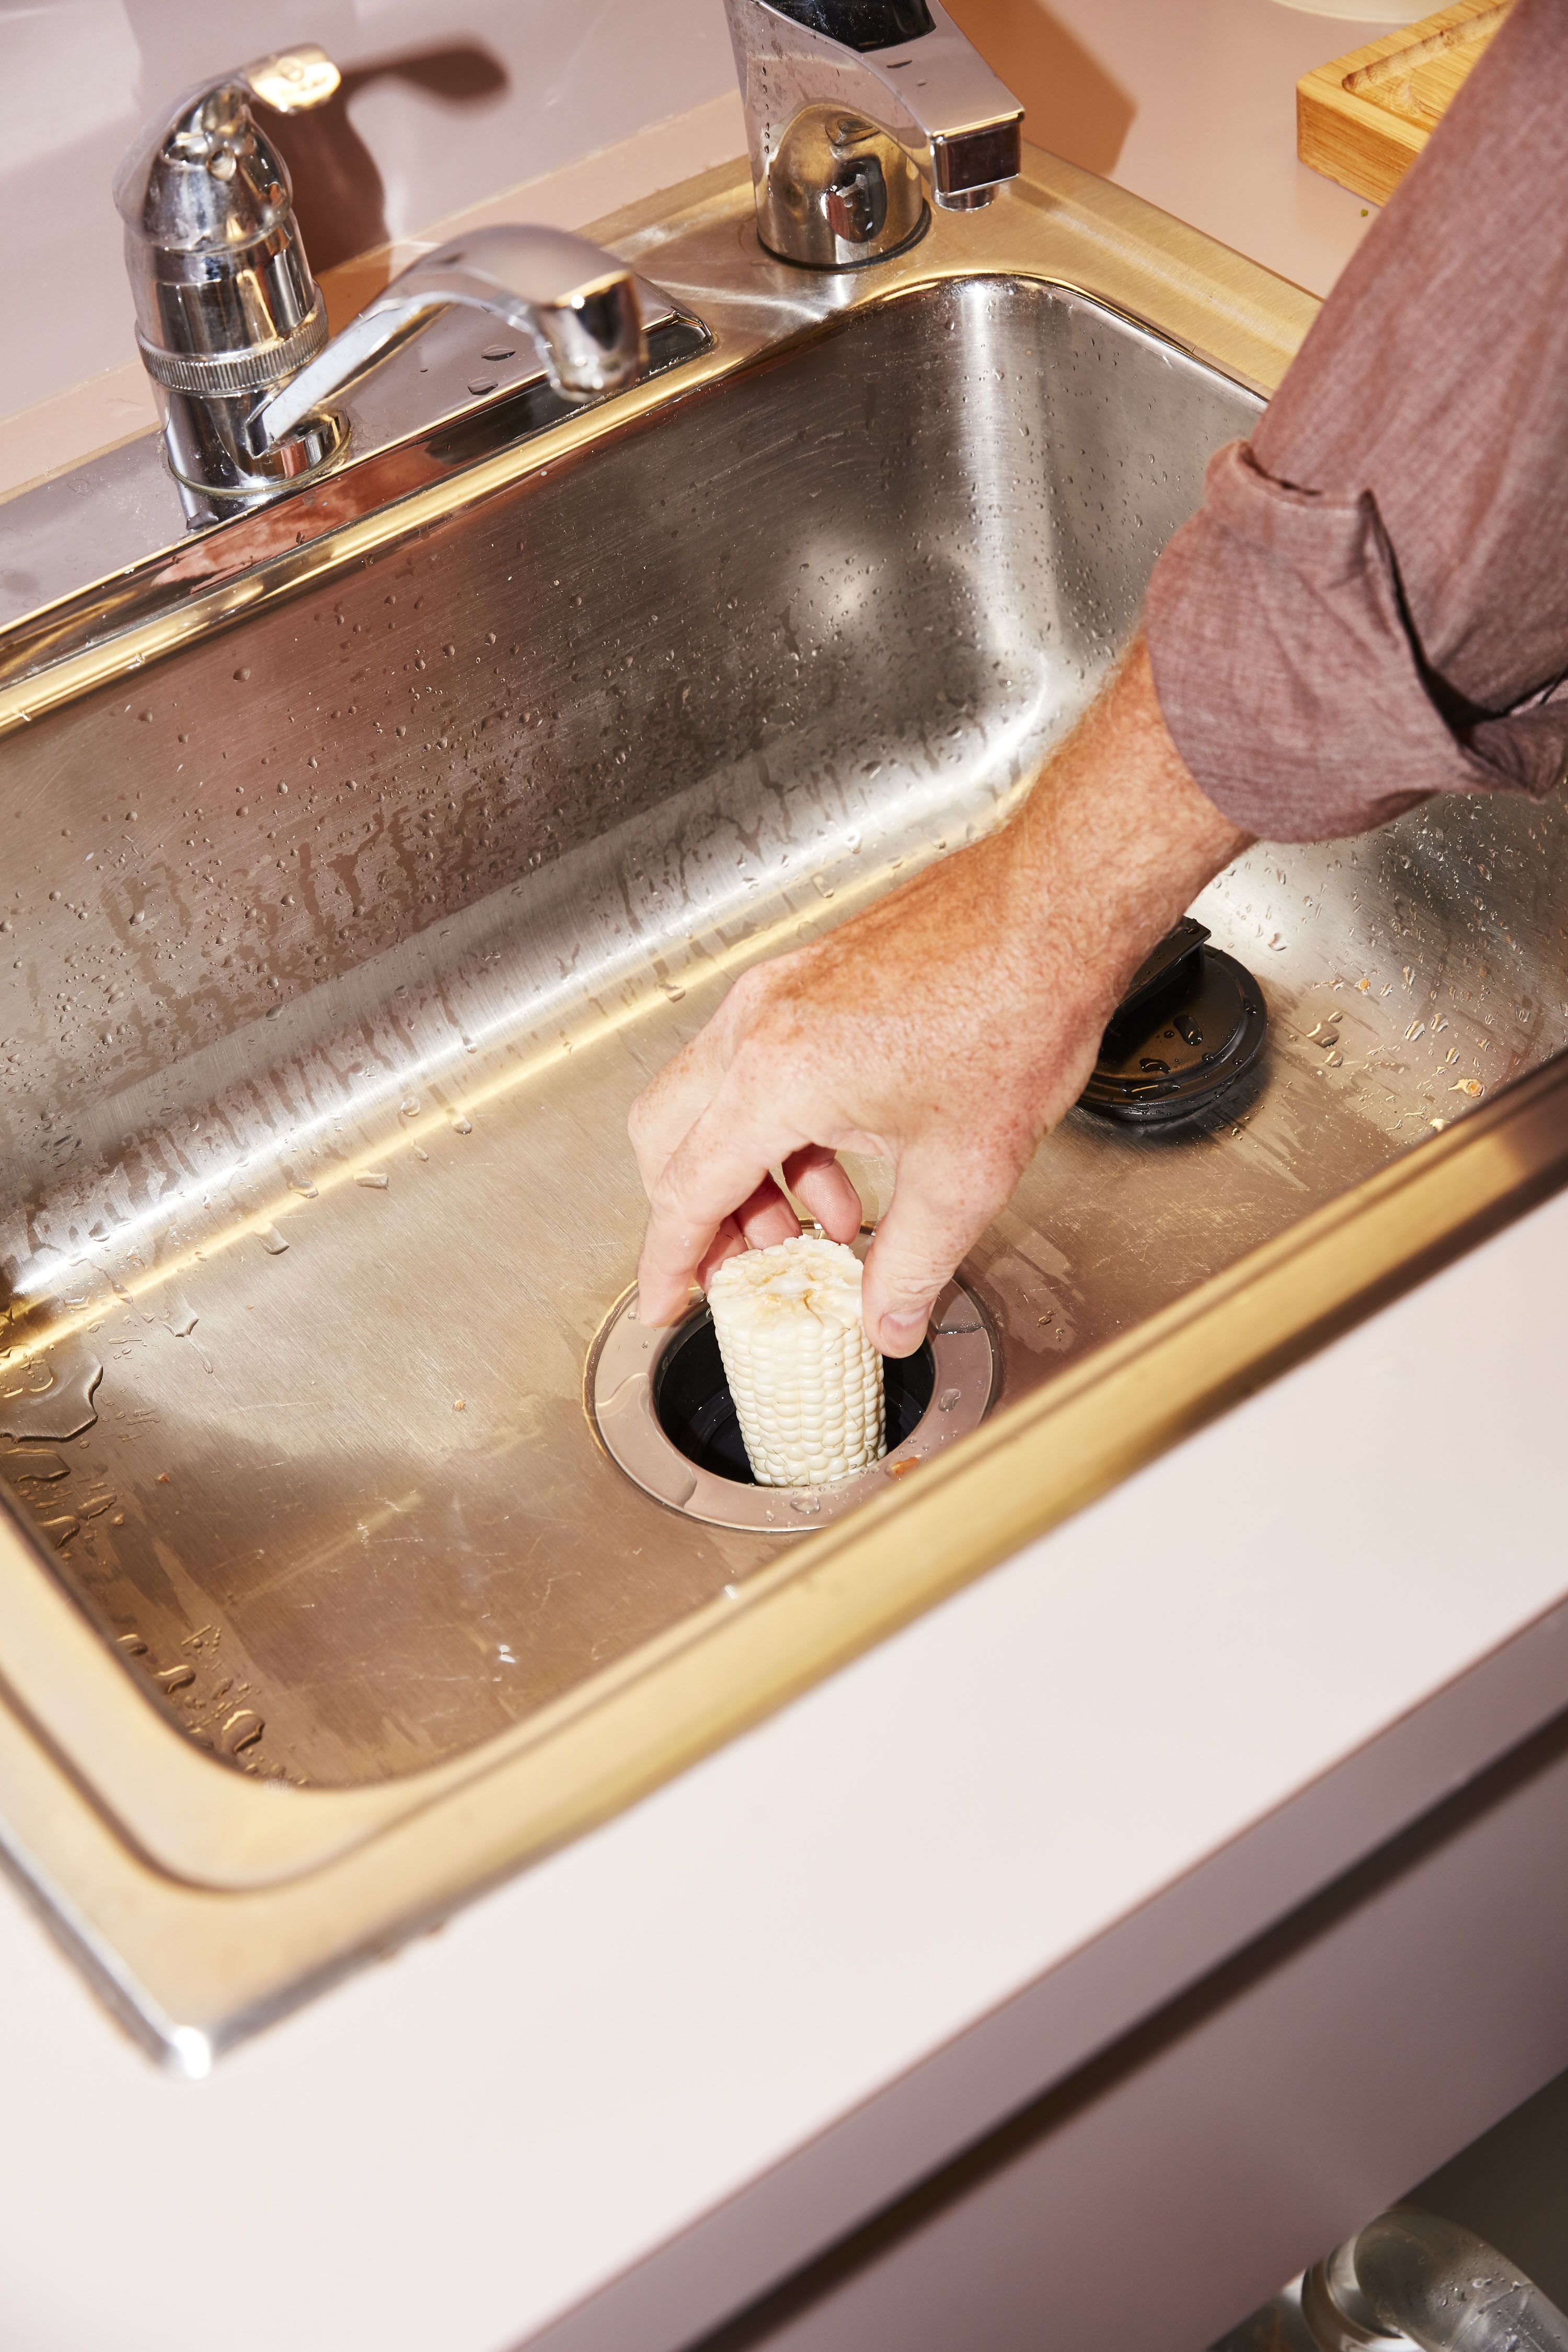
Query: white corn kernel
807	1381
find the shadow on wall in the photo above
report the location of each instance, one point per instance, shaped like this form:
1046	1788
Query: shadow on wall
1071	105
338	195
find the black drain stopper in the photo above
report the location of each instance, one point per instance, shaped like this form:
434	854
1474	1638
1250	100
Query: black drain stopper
1190	1026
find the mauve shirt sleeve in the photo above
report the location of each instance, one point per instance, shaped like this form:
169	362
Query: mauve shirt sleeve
1371	605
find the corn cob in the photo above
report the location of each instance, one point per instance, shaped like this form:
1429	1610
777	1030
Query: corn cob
807	1381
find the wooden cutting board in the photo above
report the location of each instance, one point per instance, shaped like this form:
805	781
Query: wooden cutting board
1365	119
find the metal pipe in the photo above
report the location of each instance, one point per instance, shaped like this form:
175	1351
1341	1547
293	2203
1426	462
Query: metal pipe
1408	2282
1411	2277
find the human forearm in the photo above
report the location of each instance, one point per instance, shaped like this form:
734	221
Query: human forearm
1375	588
1115	840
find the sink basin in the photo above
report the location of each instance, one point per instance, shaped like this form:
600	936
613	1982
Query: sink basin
367	869
420	893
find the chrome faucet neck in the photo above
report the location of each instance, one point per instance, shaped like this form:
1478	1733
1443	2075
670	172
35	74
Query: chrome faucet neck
855	111
226	304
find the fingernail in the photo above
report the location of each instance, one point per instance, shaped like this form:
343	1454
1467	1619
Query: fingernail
902	1333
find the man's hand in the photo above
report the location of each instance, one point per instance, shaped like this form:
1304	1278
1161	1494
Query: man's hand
944	1029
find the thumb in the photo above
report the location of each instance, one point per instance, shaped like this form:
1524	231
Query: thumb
940	1208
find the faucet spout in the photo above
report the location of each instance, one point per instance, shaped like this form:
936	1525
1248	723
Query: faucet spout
853	109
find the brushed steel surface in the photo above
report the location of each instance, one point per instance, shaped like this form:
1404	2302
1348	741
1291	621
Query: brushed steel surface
344	945
349	941
359	874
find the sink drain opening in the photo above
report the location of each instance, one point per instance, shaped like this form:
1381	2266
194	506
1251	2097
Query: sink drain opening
693	1406
662	1408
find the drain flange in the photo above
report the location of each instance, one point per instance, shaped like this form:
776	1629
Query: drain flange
657	1398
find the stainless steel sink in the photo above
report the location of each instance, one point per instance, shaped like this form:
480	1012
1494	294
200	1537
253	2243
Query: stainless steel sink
428	886
359	874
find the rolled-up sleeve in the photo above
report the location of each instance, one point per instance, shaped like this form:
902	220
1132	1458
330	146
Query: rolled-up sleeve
1371	605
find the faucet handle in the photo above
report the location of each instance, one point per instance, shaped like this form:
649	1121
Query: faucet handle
577	303
226	308
224	299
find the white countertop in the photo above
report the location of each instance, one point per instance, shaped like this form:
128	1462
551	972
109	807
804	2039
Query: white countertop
456	2147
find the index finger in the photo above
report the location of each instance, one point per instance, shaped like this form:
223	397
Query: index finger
712	1170
670	1104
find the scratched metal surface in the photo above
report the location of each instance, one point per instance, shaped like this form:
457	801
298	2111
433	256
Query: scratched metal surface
337	950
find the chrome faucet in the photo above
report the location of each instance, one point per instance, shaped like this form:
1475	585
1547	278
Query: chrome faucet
854	107
232	327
